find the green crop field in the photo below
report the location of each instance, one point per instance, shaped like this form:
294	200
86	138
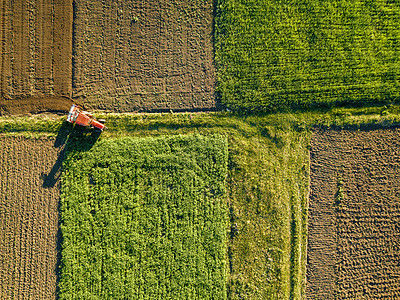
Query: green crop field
278	54
145	219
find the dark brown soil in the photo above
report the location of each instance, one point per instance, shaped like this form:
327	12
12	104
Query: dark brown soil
35	53
354	215
144	55
29	218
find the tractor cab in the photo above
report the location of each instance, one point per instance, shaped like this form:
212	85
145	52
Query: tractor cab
78	116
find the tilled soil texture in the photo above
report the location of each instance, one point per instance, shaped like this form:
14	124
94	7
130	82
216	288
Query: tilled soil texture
29	217
34	105
35	52
137	55
354	215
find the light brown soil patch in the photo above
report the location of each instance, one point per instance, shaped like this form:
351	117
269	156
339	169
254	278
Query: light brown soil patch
35	51
29	218
164	60
354	215
34	105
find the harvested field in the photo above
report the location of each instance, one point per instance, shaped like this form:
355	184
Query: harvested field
138	55
29	218
35	51
354	215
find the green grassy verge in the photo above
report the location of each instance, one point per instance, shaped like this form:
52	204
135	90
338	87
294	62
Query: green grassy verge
145	219
273	54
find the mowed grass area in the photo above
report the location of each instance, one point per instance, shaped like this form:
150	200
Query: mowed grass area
145	219
276	54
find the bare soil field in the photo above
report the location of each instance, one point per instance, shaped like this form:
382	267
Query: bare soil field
34	105
35	52
29	218
137	55
354	215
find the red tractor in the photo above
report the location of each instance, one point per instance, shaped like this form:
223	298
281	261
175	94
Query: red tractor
78	116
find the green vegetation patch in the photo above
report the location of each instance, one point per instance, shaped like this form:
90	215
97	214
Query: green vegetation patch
275	54
267	188
145	218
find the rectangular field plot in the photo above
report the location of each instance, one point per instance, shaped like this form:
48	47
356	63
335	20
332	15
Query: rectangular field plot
35	48
29	218
141	55
145	219
273	54
354	215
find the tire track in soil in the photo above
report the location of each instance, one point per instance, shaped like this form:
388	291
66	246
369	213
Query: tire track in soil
354	215
18	37
29	219
43	49
4	47
62	45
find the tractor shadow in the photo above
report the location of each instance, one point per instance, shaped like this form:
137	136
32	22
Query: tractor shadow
69	137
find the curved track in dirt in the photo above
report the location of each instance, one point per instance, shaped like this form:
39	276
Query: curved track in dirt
34	105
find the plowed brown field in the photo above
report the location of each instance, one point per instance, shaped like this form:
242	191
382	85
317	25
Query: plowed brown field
144	55
354	215
29	218
35	53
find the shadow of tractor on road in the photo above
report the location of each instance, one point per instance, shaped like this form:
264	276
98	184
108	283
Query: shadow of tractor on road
69	136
